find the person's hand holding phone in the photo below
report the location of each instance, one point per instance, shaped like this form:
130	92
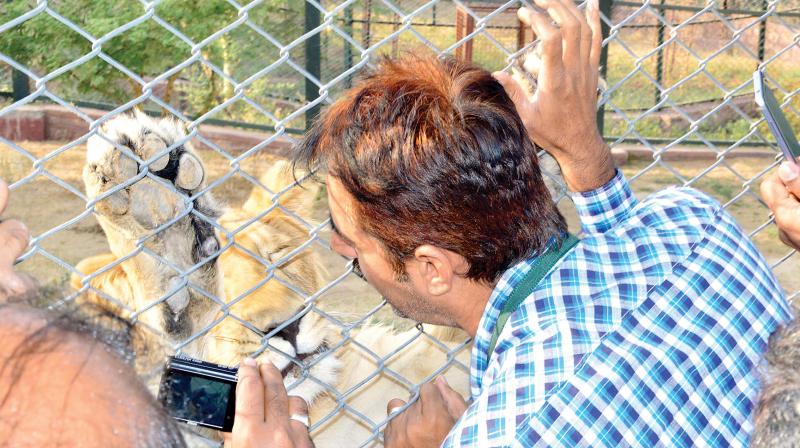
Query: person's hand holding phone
265	415
13	242
781	192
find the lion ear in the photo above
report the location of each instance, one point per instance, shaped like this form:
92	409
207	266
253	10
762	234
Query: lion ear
299	199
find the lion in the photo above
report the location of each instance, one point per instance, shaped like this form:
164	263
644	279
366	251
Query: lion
222	284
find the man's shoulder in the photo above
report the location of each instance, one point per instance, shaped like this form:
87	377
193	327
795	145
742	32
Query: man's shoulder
679	202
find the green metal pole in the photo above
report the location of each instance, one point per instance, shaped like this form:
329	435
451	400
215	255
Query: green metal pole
762	34
313	58
660	54
348	49
19	85
606	7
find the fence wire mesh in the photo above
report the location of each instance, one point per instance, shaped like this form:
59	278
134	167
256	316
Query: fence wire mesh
246	79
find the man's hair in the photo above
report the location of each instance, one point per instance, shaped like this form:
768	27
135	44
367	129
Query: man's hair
434	152
99	329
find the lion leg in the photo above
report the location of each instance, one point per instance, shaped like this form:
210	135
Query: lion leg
110	290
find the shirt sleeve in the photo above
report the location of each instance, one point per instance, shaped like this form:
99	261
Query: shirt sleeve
603	208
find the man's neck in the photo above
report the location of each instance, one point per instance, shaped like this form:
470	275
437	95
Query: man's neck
471	304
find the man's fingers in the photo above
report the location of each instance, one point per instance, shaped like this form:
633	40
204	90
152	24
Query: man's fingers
773	191
453	401
227	438
593	17
785	207
550	42
430	399
789	173
394	405
570	22
787	216
787	240
3	195
249	393
515	91
276	401
14	239
392	410
17	286
298	409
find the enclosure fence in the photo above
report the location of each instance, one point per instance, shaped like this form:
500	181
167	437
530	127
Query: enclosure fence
677	108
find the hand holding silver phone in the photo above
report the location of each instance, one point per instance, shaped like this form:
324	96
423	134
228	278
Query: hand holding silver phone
777	122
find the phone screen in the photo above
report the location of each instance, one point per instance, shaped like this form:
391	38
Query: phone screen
199	399
778	123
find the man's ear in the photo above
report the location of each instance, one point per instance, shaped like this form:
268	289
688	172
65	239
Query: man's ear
437	268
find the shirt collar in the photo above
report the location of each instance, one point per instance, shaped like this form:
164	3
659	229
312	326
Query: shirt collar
500	295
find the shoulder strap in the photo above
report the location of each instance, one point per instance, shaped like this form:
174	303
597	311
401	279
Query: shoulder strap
541	266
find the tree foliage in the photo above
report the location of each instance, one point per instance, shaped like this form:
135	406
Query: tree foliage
148	49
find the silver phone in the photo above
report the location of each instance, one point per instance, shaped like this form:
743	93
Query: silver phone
777	122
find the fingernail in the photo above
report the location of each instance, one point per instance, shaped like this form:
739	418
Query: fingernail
788	171
442	380
249	362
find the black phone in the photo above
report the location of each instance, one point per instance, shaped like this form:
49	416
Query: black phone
199	393
777	122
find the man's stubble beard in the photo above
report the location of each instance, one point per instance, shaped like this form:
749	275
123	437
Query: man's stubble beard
418	308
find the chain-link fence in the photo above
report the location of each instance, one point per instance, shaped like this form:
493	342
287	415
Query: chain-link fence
248	78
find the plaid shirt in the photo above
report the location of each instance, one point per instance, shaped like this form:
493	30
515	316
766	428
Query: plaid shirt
647	333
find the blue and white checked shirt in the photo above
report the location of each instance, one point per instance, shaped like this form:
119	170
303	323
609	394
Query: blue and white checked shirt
646	334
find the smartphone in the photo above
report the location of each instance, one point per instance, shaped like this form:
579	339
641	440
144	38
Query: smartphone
199	393
778	123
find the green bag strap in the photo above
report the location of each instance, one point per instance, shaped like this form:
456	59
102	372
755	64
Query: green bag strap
541	266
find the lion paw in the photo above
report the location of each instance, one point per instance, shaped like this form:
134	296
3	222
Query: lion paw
134	205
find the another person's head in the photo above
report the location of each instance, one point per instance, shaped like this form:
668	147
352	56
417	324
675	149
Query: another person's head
64	382
432	180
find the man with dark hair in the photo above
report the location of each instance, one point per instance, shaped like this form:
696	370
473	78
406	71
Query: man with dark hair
66	378
647	331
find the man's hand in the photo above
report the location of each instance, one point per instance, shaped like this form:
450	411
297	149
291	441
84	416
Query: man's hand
561	115
263	411
13	242
427	422
781	191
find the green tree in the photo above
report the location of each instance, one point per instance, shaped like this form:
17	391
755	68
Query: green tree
148	49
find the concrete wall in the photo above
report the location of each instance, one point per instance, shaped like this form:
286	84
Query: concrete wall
54	122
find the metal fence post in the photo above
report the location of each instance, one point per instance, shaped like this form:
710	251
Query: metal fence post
366	31
606	7
762	33
19	85
348	51
660	53
313	59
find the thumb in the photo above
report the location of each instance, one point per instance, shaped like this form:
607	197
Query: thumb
790	176
515	91
453	401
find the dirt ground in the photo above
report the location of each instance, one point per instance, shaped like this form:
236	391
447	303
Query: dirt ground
66	233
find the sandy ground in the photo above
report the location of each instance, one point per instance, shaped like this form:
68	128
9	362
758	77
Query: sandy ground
65	233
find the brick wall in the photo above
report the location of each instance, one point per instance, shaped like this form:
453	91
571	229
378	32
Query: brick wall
53	122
